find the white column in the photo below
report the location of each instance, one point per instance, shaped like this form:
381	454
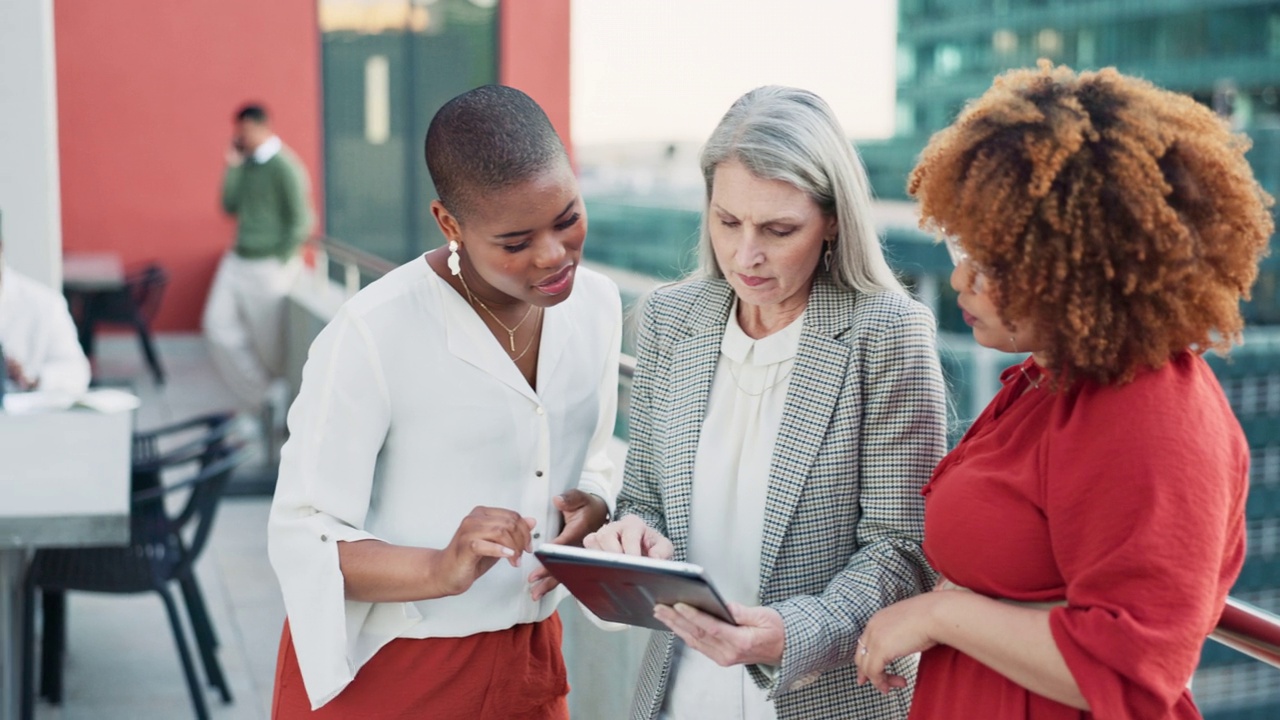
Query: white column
29	193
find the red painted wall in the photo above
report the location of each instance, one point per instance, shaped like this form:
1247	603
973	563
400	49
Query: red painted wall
533	55
146	91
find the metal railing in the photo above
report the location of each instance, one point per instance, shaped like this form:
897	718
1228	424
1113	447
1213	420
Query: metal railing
1251	630
1242	627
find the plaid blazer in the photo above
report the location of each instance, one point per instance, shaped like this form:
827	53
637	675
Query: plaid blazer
863	426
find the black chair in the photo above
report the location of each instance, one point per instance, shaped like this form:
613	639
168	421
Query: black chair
163	548
134	305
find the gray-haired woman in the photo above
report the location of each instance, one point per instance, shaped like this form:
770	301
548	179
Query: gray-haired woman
787	409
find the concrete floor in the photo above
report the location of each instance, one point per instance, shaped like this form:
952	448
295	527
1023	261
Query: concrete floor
121	661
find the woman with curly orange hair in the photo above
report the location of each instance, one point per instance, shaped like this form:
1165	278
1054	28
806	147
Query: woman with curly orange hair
1090	523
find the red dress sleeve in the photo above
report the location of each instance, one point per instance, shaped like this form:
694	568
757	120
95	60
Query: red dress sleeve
1144	497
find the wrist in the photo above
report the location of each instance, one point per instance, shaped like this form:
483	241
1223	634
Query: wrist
435	568
939	615
604	513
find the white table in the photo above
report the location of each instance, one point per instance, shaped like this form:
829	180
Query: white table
64	482
92	271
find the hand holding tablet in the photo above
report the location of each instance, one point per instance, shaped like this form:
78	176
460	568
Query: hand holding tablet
625	588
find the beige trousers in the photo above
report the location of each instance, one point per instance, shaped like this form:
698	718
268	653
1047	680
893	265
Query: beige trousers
244	323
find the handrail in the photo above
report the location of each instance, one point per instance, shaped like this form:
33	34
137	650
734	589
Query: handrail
1243	627
354	261
1251	630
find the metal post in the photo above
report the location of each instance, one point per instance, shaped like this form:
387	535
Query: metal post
12	566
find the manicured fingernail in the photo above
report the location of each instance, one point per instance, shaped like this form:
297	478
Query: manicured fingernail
508	551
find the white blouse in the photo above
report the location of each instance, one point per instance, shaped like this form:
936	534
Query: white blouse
37	330
410	415
730	487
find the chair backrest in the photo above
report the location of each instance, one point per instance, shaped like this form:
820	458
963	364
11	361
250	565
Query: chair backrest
138	299
146	287
208	461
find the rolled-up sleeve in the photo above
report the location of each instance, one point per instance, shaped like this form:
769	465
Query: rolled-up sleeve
337	427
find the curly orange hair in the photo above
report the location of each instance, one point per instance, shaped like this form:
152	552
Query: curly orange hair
1120	219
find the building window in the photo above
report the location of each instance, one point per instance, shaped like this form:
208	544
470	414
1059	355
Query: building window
1086	47
946	60
906	63
1049	43
1004	42
377	99
905	118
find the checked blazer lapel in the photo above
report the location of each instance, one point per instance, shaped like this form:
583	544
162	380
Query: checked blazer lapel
817	378
695	358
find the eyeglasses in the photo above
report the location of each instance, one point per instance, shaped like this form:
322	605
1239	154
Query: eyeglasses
959	255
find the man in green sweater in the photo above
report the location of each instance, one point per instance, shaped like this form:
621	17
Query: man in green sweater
266	189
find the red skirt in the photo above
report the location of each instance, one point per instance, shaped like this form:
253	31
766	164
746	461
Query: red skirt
513	674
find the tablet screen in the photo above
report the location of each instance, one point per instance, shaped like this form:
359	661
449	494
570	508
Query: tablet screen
625	588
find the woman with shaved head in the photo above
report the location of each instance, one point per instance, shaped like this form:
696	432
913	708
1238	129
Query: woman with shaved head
453	416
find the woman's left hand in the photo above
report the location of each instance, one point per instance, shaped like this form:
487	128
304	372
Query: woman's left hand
896	631
584	513
758	637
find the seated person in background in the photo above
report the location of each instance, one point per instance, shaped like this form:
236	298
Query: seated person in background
1095	511
38	337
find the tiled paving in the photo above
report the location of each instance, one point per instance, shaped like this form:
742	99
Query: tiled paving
121	661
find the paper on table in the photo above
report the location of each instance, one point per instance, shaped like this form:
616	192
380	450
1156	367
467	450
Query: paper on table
104	400
21	403
109	400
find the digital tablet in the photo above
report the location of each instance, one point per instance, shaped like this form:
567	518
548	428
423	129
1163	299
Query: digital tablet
624	588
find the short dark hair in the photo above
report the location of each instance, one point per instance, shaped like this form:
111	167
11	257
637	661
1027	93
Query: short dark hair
253	112
485	139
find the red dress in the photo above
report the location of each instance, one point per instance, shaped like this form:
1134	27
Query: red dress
1125	501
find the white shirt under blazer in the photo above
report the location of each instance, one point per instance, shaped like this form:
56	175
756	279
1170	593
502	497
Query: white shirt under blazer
863	425
410	415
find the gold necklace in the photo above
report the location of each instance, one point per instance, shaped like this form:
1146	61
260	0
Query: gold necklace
511	331
532	336
1034	383
781	377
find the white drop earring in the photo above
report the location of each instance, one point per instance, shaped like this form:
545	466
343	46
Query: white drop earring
455	262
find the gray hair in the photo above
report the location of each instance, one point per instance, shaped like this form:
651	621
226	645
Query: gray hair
783	133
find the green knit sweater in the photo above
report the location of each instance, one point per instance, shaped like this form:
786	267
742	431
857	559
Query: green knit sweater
271	204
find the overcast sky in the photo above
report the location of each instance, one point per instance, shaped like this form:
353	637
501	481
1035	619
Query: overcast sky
667	70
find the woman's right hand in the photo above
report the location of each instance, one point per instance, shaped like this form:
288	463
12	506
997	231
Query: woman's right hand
484	537
630	536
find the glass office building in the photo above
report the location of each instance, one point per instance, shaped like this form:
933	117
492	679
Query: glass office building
1225	54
